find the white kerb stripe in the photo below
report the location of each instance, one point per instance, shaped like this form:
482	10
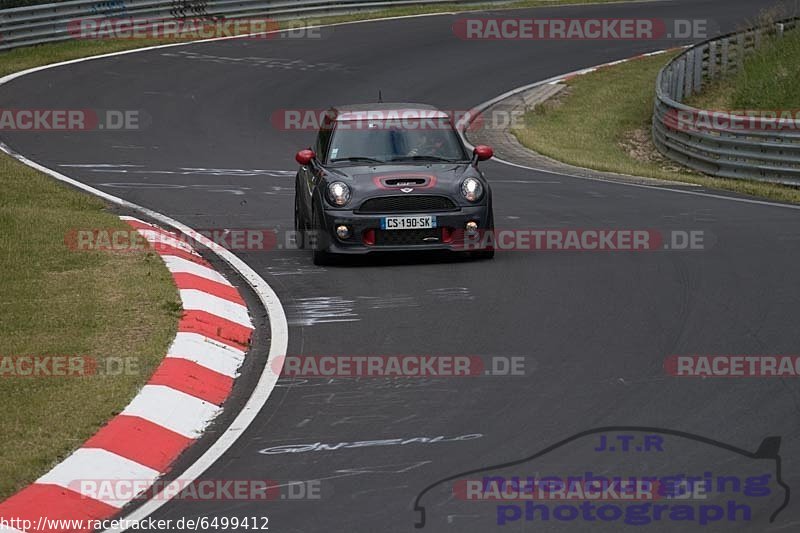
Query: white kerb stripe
180	265
89	470
172	409
206	352
140	221
194	300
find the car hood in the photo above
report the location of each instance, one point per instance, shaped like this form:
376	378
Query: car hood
440	179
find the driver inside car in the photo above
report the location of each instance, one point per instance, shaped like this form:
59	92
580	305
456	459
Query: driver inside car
427	144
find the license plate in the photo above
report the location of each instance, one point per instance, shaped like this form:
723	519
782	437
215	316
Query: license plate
412	222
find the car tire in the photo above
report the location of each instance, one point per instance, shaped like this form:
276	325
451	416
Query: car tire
322	258
483	254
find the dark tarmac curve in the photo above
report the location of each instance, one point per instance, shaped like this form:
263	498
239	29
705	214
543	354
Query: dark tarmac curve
594	328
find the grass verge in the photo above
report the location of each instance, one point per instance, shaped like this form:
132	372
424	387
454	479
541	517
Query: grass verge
603	122
769	80
55	301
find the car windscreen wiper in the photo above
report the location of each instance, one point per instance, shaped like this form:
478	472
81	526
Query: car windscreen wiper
357	159
424	158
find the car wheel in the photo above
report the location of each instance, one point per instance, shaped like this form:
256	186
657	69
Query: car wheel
483	254
322	258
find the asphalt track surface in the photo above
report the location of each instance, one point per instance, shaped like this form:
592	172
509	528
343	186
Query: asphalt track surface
594	328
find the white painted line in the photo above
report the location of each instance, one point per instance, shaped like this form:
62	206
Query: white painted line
205	352
125	217
86	468
194	300
172	409
179	265
656	53
654	187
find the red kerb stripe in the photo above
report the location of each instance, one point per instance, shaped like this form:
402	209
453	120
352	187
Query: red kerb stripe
141	441
191	378
185	280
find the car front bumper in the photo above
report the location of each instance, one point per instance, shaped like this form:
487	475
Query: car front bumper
449	232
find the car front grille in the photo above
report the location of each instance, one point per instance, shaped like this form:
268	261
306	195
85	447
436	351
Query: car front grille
407	204
406	237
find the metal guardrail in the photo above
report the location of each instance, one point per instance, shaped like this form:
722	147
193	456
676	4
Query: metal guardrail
721	144
46	23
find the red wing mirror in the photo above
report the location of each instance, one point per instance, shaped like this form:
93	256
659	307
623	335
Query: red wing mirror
304	157
483	152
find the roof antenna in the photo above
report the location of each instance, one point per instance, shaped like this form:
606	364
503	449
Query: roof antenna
380	97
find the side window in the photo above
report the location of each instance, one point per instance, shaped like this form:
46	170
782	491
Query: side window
324	139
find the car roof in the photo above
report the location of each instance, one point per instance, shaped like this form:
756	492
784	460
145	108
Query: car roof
385	110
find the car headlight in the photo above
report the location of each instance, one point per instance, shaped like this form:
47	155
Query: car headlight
338	193
472	189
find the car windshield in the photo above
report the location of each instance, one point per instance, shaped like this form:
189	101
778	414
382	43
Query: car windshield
384	141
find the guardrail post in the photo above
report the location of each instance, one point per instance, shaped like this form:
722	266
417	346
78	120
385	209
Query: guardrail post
726	46
740	47
688	76
712	60
672	82
679	84
698	69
